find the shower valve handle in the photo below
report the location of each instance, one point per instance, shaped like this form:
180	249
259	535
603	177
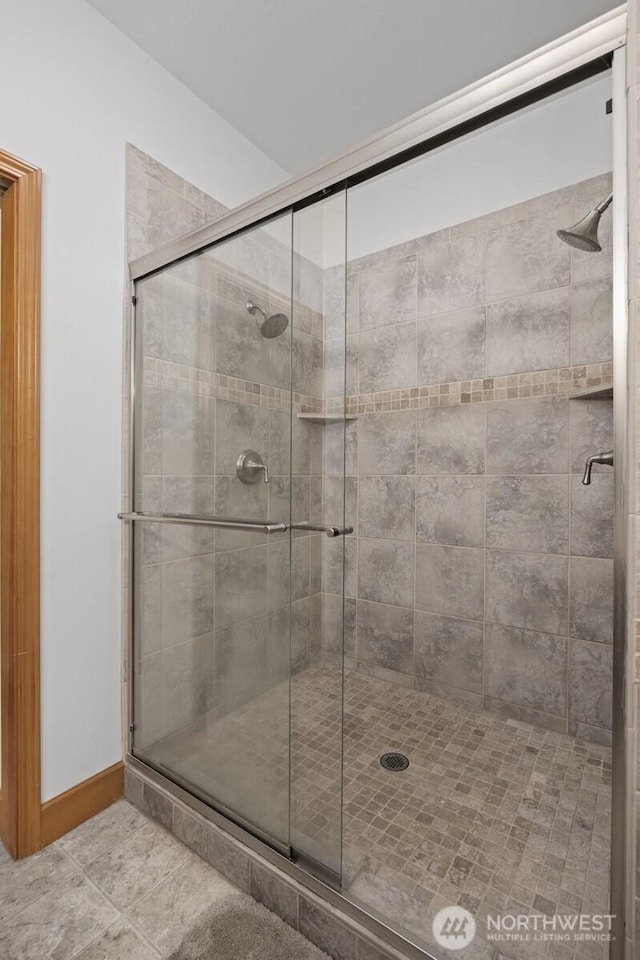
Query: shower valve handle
605	458
250	467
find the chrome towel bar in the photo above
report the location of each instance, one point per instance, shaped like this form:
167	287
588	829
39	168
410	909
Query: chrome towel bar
228	523
235	523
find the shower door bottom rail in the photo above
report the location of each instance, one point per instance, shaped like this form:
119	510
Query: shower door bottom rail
212	804
237	523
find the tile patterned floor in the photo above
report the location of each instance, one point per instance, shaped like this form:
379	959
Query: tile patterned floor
117	887
493	814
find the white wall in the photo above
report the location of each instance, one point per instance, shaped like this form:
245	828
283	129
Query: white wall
553	144
75	89
310	79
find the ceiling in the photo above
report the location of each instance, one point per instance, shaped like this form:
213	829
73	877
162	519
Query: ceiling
305	80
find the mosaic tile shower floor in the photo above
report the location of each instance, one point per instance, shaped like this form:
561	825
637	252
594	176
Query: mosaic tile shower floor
493	814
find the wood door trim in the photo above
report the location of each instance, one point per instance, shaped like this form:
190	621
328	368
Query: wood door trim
20	257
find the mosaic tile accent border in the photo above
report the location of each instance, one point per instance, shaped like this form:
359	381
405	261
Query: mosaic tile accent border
184	379
561	380
180	378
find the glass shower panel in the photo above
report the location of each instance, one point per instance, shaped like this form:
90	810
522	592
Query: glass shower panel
212	604
482	576
318	493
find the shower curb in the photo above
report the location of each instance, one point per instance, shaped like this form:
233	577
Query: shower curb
327	926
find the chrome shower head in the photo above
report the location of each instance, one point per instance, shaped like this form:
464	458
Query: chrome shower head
272	326
584	235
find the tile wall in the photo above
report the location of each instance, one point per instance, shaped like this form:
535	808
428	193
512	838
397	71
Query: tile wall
160	206
217	602
213	607
481	568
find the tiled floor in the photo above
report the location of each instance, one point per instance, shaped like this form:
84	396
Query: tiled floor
493	814
119	887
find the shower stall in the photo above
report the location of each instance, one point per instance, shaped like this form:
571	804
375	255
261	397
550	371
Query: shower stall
372	628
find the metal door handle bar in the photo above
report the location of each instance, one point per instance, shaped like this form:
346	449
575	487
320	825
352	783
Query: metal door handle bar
235	523
228	523
327	528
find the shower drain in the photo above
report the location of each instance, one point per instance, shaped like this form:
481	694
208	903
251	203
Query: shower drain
394	761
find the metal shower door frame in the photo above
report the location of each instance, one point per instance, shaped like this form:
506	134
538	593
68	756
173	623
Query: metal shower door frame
554	67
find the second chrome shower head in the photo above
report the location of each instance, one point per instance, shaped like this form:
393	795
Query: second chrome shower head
584	234
271	326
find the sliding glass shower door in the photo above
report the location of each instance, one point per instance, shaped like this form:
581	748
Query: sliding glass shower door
236	641
318	465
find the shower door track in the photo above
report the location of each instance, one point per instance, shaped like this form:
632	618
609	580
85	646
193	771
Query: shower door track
226	817
579	55
294	865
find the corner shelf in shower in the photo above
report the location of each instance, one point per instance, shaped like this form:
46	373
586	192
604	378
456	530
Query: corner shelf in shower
326	417
593	393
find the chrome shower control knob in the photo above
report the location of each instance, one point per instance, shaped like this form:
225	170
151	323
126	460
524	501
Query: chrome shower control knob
250	467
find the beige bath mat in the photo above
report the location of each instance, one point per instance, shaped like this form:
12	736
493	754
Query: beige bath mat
238	928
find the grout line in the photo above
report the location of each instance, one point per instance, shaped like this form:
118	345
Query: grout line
7	921
120	843
95	942
192	856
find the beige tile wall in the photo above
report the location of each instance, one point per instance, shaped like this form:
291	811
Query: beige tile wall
159	206
212	607
480	568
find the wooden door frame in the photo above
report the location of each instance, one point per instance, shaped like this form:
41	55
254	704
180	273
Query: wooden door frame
20	798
